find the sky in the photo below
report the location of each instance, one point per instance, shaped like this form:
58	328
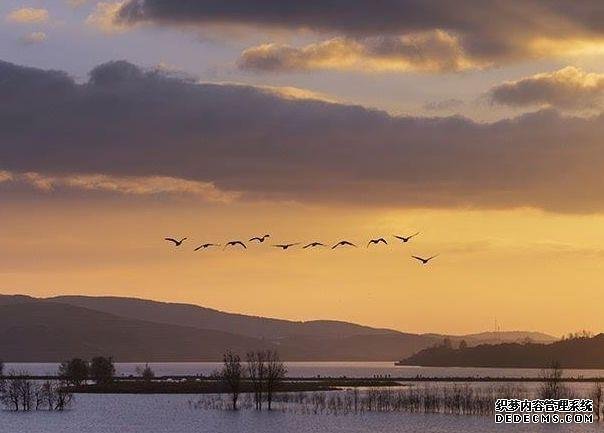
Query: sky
476	124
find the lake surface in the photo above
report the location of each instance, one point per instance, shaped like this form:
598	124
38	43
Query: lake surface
314	369
96	413
174	414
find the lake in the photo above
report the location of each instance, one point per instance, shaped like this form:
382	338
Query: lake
95	413
313	369
173	414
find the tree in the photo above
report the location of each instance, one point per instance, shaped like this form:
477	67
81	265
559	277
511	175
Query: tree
552	386
596	396
232	374
145	373
275	373
102	369
74	371
463	345
447	343
256	371
20	393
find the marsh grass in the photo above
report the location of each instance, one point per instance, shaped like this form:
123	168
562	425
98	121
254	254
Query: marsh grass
458	399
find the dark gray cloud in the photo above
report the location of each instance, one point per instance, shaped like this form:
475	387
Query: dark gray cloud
125	121
491	31
568	88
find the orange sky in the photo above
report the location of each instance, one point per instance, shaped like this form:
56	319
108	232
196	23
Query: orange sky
528	270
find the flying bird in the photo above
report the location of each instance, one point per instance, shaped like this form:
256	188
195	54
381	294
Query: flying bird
204	246
177	243
424	261
259	238
376	241
343	243
406	238
285	246
313	244
234	243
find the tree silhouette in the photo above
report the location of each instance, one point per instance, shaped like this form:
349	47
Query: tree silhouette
275	373
74	371
232	374
102	369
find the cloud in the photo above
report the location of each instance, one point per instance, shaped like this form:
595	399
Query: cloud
567	88
285	92
28	16
135	185
444	105
487	33
76	3
5	176
127	122
104	16
34	38
432	52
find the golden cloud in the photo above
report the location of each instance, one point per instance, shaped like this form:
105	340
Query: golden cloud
136	185
435	51
103	17
567	88
34	38
28	15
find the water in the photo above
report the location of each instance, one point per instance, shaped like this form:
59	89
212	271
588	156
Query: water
313	369
173	414
97	413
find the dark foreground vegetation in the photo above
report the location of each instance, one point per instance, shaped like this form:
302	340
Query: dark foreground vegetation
457	399
20	394
580	351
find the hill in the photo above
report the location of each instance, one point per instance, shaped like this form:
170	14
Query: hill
571	353
34	329
48	331
207	318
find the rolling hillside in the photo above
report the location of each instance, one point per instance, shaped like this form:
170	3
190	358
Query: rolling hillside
128	329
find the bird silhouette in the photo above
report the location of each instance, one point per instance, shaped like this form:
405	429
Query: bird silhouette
313	244
233	243
343	243
377	241
206	246
259	238
285	246
406	238
177	243
424	261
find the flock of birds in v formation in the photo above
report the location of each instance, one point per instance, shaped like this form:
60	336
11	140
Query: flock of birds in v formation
343	243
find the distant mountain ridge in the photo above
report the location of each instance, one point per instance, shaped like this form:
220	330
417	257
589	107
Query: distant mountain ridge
583	352
208	318
52	329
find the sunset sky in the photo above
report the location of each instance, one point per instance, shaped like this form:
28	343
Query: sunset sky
478	124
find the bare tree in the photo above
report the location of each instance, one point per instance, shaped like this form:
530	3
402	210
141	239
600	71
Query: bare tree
10	396
275	373
596	396
232	374
256	371
20	393
146	373
63	397
552	386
